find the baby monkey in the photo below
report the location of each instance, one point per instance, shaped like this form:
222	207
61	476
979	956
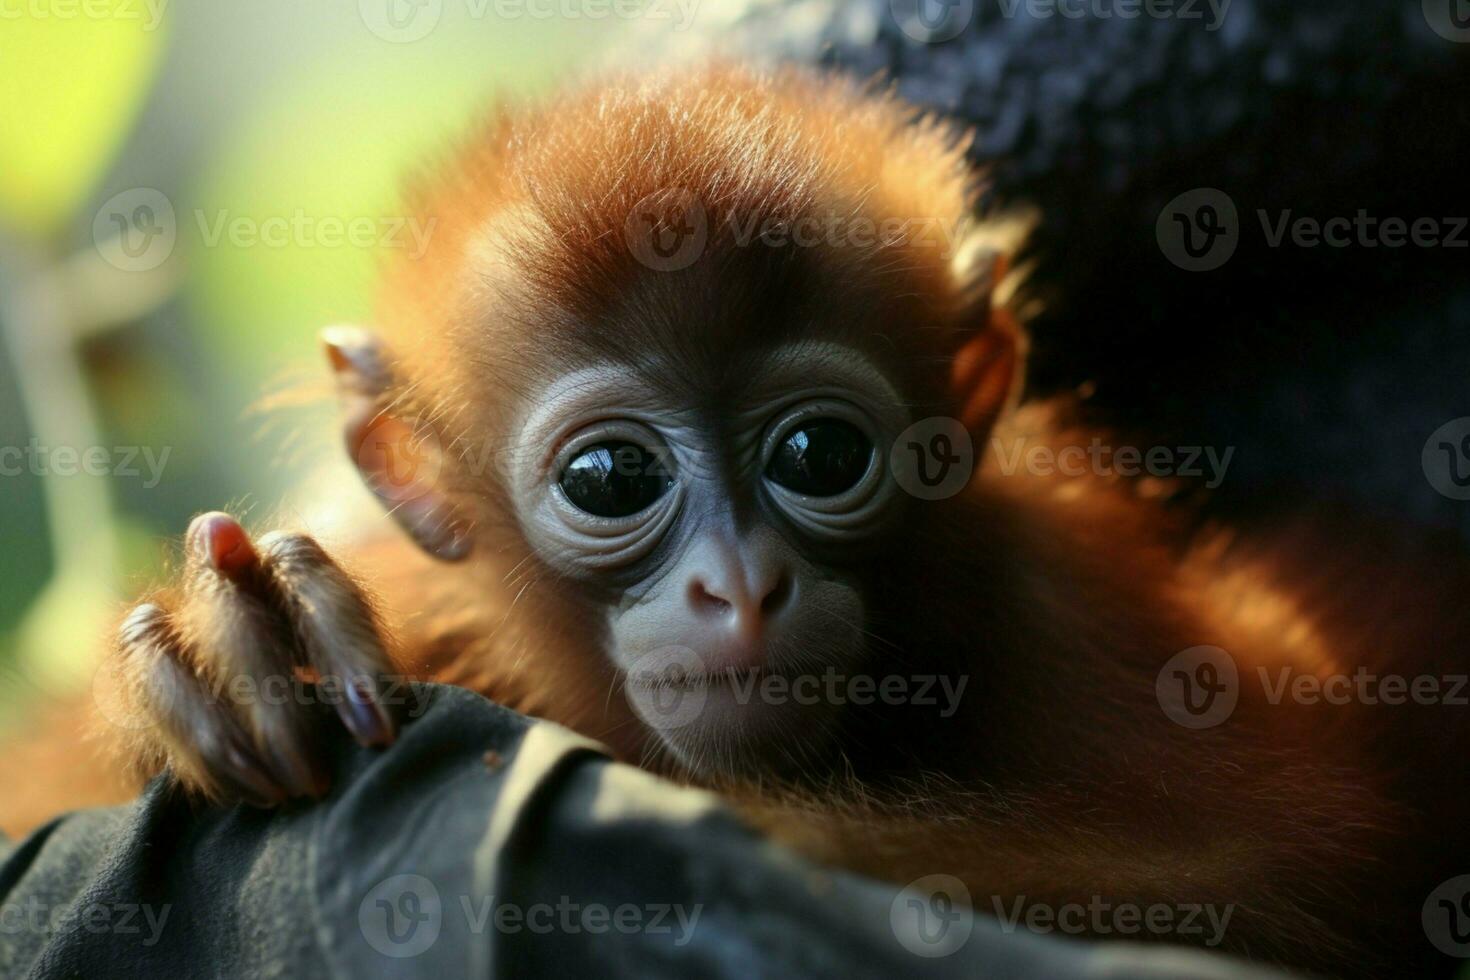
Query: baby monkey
671	412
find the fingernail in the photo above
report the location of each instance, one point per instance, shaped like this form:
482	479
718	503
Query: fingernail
220	541
367	720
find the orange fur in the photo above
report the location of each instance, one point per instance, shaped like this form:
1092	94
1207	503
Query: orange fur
1062	597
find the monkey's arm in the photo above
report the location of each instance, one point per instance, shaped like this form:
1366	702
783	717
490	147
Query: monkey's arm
1224	854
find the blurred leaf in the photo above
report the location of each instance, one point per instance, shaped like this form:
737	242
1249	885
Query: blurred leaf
74	78
328	150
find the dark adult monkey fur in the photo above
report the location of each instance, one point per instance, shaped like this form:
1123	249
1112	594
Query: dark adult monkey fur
536	329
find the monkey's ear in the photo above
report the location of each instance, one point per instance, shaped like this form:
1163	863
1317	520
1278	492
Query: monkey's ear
400	459
986	371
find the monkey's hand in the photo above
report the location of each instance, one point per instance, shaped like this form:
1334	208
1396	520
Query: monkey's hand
224	682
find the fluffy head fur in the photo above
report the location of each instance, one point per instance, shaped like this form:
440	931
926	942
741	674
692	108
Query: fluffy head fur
530	263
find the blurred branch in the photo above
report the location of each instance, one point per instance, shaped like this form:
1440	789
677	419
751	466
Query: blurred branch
46	309
99	297
58	406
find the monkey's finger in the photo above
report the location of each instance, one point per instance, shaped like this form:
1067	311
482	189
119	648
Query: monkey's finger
335	631
244	651
217	540
206	748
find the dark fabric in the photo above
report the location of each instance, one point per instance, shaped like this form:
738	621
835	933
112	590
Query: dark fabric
432	859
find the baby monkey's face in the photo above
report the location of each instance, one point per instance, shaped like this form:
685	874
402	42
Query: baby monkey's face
720	522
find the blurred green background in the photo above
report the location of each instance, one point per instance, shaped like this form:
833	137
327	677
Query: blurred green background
147	349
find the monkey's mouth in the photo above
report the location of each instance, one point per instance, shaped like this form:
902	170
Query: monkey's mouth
678	679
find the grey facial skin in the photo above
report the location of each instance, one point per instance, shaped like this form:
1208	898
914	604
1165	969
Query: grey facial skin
717	578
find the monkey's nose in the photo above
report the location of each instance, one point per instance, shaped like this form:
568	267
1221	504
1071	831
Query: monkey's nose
744	606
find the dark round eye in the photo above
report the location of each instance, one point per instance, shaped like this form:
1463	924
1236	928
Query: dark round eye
821	458
615	479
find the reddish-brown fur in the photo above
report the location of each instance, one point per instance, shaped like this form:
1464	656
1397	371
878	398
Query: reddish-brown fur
1062	597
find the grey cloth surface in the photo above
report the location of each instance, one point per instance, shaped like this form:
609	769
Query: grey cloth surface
433	860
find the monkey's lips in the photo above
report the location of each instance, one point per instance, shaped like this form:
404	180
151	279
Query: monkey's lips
735	720
700	680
